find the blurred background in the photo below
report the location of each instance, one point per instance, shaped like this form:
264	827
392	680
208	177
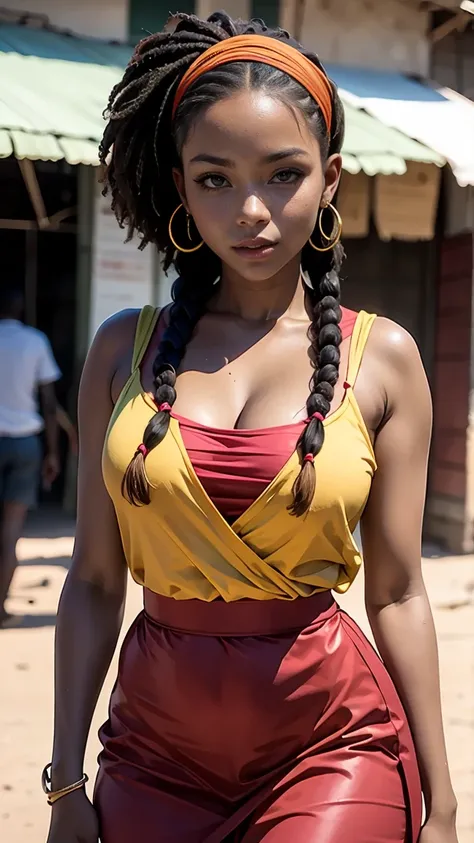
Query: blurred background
405	70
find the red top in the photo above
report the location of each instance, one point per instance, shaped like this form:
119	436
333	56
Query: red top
235	466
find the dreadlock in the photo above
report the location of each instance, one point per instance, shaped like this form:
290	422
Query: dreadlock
146	146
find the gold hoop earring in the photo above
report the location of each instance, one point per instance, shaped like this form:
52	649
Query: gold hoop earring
170	232
333	240
320	223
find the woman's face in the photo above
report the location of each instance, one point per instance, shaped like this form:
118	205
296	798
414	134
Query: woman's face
253	181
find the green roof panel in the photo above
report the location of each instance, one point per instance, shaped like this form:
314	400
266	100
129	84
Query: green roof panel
379	148
55	102
51	108
47	42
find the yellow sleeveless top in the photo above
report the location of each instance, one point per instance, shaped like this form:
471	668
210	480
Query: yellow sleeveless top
180	545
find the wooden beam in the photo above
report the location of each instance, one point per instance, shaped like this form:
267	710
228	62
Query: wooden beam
300	9
59	216
456	22
28	172
44	222
292	13
19	225
31	225
447	6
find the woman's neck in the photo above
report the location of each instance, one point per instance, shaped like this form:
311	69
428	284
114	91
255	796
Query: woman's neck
262	301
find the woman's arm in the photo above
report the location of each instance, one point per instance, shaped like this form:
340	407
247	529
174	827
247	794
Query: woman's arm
396	600
51	462
69	428
92	602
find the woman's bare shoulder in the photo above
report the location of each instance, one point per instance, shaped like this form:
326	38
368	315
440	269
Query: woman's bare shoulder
117	333
113	343
393	345
111	350
397	369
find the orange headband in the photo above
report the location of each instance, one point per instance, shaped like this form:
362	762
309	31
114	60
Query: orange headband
266	50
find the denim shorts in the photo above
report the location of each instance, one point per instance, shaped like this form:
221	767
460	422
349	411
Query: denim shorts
20	465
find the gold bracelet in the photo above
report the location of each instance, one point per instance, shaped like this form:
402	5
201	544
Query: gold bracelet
54	795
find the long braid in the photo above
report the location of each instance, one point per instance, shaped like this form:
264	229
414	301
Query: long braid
145	147
185	313
325	335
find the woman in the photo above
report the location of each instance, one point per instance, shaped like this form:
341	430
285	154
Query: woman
248	707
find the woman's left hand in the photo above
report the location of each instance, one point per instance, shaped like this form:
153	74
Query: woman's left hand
439	830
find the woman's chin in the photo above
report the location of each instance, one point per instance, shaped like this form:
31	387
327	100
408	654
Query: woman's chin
258	269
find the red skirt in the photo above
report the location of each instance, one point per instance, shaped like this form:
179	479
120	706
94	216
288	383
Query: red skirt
256	722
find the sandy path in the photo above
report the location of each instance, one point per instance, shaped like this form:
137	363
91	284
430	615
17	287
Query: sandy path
26	666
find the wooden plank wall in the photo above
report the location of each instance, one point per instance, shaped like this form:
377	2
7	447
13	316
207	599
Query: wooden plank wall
393	279
451	381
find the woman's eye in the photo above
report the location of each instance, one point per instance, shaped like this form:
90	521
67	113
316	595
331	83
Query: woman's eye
212	181
287	176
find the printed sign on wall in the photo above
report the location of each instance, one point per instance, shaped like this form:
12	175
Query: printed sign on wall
122	276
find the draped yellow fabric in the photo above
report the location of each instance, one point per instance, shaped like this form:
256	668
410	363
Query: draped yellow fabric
180	546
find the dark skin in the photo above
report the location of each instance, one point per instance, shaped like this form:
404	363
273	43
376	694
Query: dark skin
48	401
247	366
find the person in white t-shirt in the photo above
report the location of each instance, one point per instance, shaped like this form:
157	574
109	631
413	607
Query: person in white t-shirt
28	372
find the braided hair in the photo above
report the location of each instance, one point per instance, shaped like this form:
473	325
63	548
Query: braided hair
139	178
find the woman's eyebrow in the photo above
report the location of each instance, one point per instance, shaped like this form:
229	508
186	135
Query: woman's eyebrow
207	158
291	152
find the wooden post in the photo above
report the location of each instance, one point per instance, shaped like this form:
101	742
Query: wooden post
469	524
31	275
86	181
300	9
292	14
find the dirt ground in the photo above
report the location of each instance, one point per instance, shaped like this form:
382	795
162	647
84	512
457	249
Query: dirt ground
26	670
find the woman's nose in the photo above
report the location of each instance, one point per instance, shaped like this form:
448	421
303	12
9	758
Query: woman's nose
253	211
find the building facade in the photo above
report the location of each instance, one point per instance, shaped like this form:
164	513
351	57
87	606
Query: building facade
422	281
450	505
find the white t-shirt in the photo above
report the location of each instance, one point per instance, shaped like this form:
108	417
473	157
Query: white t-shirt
26	362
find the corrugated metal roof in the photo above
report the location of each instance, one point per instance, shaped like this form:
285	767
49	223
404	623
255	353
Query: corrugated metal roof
50	44
52	109
51	106
366	82
375	148
437	117
55	88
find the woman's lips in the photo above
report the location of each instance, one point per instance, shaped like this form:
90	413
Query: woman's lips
255	250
